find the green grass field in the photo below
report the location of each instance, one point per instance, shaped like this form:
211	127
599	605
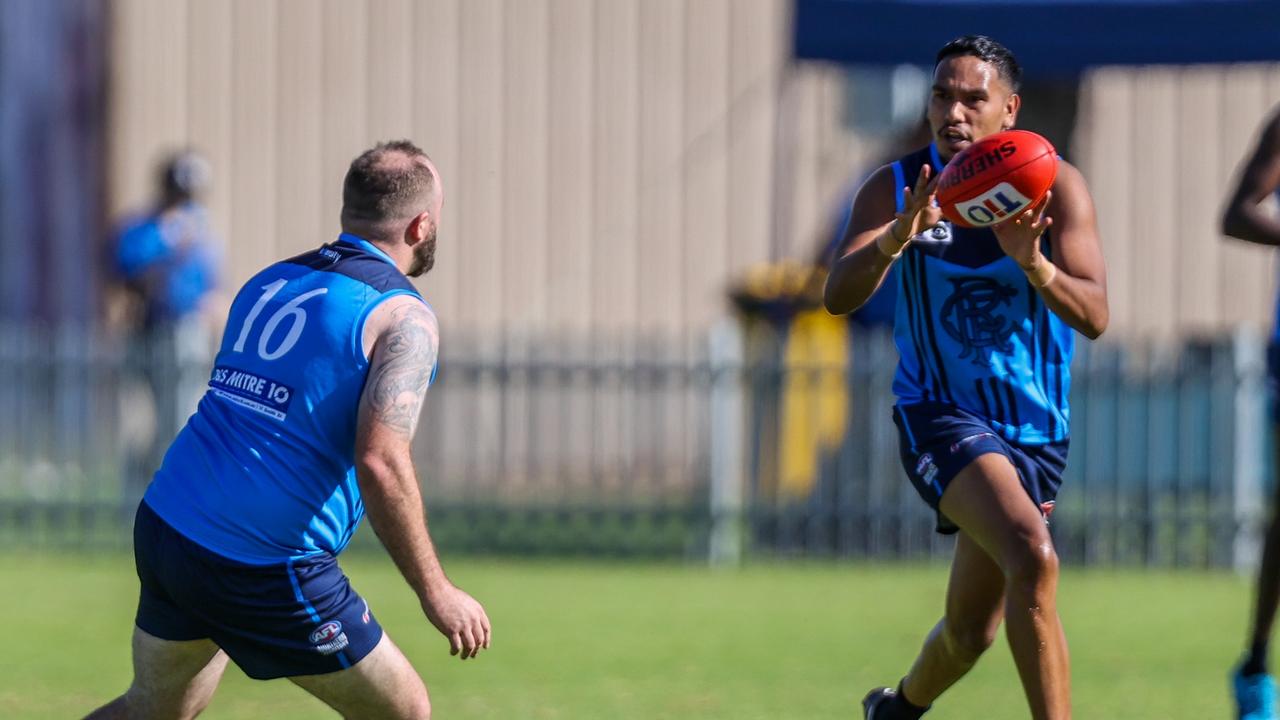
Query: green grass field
630	641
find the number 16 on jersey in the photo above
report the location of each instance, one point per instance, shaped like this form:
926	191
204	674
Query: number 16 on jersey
291	310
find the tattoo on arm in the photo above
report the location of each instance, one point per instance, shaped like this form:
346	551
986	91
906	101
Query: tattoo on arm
402	369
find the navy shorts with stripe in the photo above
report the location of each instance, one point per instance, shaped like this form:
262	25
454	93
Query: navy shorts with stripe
295	618
937	441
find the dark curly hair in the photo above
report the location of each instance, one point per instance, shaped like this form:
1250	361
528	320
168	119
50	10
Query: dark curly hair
987	50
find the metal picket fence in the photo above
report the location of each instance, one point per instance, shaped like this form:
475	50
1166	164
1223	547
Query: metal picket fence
1167	465
661	447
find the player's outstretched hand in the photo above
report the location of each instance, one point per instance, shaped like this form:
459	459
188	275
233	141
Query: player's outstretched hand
460	618
919	207
1019	236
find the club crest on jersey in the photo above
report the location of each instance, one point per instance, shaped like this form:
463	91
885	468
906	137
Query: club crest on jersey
999	203
939	234
969	316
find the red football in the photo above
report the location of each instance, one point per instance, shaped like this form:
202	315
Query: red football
997	177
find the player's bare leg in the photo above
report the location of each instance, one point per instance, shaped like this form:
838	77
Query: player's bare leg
1268	592
382	686
171	680
974	609
988	502
1252	683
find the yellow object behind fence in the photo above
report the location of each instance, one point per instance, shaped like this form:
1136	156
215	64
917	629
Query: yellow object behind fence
815	398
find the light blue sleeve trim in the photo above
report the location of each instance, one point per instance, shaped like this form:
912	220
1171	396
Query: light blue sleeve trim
900	182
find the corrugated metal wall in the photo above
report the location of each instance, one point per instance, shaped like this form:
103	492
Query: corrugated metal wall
610	164
1160	148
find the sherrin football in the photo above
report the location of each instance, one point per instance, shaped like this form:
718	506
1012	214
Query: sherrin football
997	177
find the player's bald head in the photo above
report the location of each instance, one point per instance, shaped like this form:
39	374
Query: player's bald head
387	185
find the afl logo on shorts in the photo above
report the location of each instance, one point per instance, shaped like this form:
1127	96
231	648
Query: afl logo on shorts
925	468
329	638
922	465
326	632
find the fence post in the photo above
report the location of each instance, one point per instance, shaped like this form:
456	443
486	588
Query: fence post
1247	462
726	437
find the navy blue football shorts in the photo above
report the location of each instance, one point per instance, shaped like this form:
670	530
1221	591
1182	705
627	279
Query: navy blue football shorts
937	441
295	618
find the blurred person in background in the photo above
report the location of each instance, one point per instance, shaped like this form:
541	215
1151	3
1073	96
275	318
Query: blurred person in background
1245	218
166	262
308	423
985	332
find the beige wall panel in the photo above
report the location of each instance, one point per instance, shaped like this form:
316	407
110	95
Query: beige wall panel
616	251
281	97
435	111
344	100
392	66
301	220
663	276
1261	313
569	174
1245	271
1197	198
794	186
525	252
1152	225
706	171
661	143
614	135
436	96
572	108
613	164
1105	126
834	167
756	43
843	157
815	165
482	295
253	137
809	195
151	64
209	101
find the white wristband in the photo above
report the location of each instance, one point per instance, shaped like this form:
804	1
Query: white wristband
1042	274
888	245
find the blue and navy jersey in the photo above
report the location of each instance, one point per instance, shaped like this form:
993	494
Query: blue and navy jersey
972	332
264	471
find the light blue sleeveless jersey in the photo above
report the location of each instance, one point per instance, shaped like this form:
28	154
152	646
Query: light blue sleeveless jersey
264	471
972	332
